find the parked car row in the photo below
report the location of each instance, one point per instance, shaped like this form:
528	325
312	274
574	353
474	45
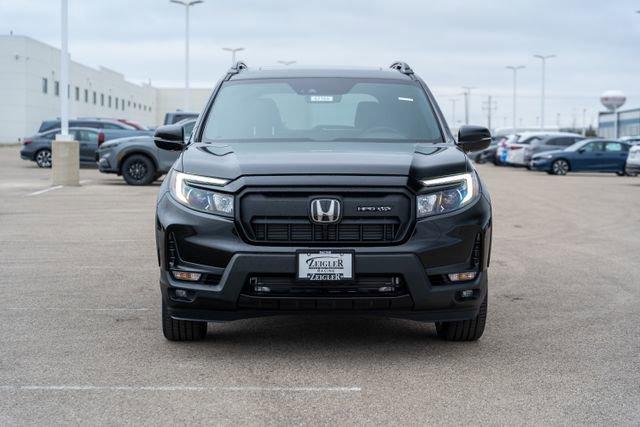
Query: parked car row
37	148
560	153
120	146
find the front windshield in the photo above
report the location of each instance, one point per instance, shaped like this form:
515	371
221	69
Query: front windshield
321	109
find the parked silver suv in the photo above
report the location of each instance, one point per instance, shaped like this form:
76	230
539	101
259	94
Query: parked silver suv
137	159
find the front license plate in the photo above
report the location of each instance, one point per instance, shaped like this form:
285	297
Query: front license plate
325	266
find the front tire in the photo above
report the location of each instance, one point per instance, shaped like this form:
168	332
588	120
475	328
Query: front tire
182	330
138	170
43	158
560	167
464	330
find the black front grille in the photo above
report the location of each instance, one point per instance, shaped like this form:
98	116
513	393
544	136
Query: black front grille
304	231
369	216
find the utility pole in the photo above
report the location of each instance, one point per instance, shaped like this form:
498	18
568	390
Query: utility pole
467	94
515	69
453	111
543	58
233	51
489	106
187	4
584	122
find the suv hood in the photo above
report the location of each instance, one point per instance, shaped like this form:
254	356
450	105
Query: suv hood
234	160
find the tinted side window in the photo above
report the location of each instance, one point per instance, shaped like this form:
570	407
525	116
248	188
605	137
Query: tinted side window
564	142
87	135
110	126
594	146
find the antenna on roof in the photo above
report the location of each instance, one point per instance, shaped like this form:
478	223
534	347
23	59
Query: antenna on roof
403	67
237	67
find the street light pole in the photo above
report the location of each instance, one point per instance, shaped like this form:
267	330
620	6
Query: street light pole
515	69
543	58
187	4
233	51
64	71
287	63
64	157
467	94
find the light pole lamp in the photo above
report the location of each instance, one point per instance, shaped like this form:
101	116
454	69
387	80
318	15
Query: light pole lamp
543	58
187	4
515	69
233	51
287	63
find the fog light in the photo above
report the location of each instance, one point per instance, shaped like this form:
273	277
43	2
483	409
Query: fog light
262	289
468	293
462	277
187	275
181	293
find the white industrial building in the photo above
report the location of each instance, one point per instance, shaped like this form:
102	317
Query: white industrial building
30	91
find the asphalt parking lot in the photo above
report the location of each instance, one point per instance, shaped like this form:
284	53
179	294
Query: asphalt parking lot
81	341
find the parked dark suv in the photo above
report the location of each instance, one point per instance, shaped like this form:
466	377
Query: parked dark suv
323	191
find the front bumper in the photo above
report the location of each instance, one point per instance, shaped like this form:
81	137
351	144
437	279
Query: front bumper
106	161
214	246
632	168
540	164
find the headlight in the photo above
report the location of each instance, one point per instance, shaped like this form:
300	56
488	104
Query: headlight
456	191
193	191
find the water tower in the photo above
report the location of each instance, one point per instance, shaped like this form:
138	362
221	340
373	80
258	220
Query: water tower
612	100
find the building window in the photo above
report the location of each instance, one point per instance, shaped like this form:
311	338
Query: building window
56	88
129	103
86	96
149	109
117	103
69	91
45	85
102	99
135	105
95	98
77	93
123	105
109	101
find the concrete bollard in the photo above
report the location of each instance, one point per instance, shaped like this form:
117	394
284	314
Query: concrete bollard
65	162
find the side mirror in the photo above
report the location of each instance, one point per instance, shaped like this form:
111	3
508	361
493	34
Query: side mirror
473	138
169	137
582	150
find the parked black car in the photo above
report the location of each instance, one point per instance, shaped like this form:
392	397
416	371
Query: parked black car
323	191
37	148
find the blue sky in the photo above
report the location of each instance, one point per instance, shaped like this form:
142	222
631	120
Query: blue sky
449	43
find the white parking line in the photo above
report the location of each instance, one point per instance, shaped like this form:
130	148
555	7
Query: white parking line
178	388
35	193
73	309
55	187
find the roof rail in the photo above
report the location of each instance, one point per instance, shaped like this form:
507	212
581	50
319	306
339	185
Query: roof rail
403	67
237	67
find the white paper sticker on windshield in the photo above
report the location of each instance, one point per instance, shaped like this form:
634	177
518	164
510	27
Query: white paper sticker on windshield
401	98
321	98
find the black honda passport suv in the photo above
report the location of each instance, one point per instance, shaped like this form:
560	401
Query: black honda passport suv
323	191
